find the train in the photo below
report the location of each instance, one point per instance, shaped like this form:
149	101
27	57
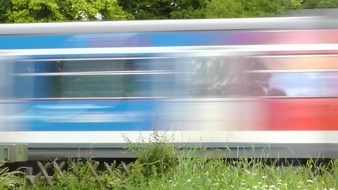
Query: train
90	88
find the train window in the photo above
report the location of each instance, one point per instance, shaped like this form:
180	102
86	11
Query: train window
308	75
222	77
5	79
115	78
91	78
264	76
29	81
212	76
306	84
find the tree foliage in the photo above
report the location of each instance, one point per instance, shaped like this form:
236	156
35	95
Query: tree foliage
172	9
72	10
164	9
244	8
320	4
60	10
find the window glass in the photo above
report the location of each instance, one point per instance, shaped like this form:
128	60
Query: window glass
5	79
91	78
222	77
95	78
292	76
299	75
117	78
181	77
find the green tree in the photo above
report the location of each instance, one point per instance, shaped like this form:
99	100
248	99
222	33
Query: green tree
173	9
245	8
60	10
4	6
164	9
320	3
189	9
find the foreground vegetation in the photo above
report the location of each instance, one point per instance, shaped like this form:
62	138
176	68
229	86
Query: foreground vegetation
162	166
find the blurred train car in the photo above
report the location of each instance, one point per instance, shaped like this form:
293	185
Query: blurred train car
263	87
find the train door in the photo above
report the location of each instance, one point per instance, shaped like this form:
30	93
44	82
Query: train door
15	91
214	93
6	92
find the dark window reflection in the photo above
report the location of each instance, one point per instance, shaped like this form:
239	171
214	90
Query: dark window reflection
229	77
94	78
180	77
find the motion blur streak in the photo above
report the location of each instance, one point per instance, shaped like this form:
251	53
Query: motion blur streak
236	82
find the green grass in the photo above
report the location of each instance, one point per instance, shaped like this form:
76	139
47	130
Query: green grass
9	180
161	166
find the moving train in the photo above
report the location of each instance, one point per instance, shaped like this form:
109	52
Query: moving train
88	88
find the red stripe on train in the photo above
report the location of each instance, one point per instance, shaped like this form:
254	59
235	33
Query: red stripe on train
302	114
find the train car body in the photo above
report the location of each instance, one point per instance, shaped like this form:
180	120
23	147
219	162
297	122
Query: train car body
270	84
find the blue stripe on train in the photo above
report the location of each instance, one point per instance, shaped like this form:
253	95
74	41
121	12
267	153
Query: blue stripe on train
87	115
119	40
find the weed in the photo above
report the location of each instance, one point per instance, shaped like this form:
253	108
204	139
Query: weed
161	165
9	180
155	157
